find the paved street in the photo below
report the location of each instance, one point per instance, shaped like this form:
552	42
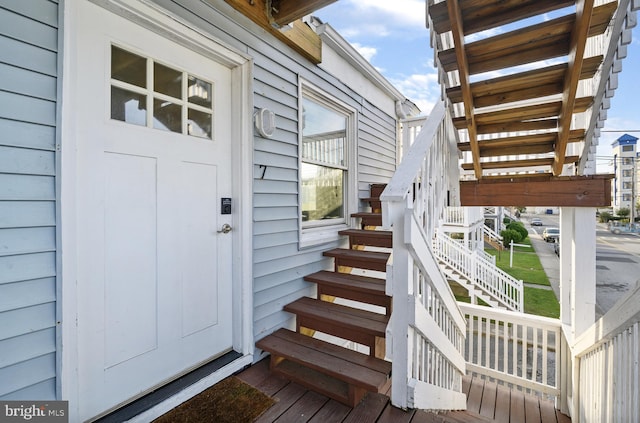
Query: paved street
617	261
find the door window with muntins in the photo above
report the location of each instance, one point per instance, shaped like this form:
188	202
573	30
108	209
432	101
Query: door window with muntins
147	93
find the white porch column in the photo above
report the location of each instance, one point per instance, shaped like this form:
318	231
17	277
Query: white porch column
578	268
566	237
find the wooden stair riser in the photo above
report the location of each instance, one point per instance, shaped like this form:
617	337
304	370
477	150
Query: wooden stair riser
368	219
361	297
369	260
359	237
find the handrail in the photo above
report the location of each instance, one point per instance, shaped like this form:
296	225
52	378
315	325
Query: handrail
425	335
491	233
480	272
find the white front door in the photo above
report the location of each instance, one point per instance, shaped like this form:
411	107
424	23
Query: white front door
153	170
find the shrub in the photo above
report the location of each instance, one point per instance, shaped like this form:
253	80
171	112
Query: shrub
509	235
605	217
518	226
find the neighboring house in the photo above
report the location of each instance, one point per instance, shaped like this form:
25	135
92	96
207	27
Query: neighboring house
165	175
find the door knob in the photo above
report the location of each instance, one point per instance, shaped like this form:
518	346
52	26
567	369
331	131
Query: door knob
226	228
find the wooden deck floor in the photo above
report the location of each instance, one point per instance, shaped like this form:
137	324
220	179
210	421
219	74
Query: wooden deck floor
485	403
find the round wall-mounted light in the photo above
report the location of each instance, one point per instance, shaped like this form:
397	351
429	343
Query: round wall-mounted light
265	122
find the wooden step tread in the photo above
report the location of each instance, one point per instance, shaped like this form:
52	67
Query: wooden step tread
340	316
329	369
347	365
372	260
353	282
366	237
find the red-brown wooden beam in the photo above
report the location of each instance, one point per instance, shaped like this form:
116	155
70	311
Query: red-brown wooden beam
571	191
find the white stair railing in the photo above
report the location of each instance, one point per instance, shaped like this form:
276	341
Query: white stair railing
520	350
480	272
425	335
491	234
607	357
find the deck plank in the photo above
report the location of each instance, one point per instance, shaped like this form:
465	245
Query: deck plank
368	410
562	418
255	374
332	412
488	405
474	399
303	409
547	411
391	414
517	406
272	384
285	398
503	404
532	409
466	384
296	404
423	417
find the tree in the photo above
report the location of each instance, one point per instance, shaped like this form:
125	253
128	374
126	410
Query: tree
623	212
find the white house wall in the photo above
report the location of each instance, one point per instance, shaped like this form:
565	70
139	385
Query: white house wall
28	110
279	263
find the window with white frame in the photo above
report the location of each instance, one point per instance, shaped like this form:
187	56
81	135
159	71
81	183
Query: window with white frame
326	146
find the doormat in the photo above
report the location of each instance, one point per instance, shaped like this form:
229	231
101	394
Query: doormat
229	401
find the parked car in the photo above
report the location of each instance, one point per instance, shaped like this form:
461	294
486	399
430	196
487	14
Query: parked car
536	221
625	228
551	234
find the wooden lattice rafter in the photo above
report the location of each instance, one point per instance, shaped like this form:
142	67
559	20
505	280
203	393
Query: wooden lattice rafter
518	120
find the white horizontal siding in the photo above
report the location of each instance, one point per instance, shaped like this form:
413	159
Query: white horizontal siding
28	116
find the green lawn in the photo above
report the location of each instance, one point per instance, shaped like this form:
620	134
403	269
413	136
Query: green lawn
542	302
526	266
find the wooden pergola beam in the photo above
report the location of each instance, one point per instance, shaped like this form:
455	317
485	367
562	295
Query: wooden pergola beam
573	191
286	11
457	31
300	37
584	10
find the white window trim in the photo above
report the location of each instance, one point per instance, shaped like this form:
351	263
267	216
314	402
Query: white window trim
313	236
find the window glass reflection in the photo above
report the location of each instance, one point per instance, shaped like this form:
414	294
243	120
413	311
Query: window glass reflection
322	193
167	115
128	67
128	106
167	81
199	124
199	92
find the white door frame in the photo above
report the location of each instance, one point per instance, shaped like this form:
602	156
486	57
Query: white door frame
161	22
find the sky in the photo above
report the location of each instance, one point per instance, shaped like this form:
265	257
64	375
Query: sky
393	37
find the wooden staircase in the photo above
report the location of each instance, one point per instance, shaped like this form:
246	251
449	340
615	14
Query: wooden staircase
332	370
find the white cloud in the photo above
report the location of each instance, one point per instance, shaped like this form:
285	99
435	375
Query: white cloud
365	51
422	89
